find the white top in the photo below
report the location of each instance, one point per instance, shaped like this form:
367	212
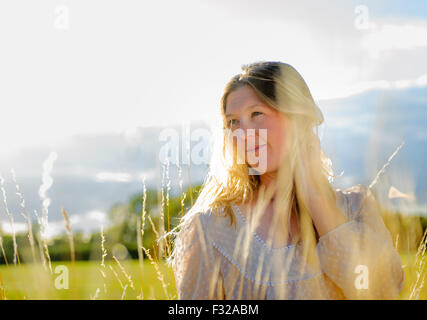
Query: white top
356	260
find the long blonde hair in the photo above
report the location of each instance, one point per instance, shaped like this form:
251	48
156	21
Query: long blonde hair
283	88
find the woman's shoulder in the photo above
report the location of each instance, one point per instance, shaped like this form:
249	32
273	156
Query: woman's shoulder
208	219
355	192
354	199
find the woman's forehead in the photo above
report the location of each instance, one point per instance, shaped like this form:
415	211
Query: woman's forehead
241	99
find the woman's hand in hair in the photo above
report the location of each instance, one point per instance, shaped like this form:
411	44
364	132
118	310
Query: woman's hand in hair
310	171
315	189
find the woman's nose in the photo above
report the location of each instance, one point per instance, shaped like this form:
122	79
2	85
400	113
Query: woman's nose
247	126
249	132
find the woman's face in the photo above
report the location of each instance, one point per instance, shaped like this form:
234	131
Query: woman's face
245	111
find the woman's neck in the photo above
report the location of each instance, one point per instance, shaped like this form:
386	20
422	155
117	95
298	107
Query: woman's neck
268	180
269	215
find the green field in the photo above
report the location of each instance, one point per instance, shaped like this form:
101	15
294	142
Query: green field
411	270
30	281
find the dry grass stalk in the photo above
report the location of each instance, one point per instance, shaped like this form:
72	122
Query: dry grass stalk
143	209
26	216
2	250
43	245
70	241
159	273
69	234
12	224
162	209
102	270
124	287
16	259
140	296
421	266
153	227
2	290
180	184
168	188
117	276
47	182
95	296
28	221
139	233
124	292
123	270
385	166
7	265
188	161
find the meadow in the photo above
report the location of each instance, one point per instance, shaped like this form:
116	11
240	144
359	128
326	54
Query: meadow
31	281
71	268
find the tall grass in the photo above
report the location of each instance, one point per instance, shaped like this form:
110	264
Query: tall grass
146	278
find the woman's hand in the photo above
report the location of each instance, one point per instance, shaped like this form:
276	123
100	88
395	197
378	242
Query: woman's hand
315	189
310	171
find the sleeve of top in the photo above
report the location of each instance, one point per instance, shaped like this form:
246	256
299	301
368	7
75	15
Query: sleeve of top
197	272
359	256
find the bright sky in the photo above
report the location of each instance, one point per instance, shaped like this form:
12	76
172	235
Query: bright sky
69	67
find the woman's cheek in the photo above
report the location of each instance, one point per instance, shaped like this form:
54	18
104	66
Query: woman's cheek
276	153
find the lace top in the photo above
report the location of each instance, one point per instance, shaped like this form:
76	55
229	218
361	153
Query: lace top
356	260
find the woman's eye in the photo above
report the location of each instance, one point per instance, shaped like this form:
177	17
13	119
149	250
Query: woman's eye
232	122
256	113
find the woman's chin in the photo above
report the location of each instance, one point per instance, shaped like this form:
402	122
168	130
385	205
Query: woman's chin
259	170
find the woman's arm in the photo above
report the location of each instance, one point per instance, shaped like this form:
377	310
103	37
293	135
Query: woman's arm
355	248
325	214
197	274
359	255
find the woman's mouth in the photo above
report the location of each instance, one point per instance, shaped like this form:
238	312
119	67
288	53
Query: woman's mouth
257	148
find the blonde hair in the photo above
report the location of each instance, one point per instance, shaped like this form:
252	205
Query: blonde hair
280	86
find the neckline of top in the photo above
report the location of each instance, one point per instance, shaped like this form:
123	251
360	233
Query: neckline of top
261	241
257	237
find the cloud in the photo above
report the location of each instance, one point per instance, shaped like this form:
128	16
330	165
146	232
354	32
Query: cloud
6	227
388	37
113	176
87	222
365	86
123	177
114	85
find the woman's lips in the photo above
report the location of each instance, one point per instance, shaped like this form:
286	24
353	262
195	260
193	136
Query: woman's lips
257	148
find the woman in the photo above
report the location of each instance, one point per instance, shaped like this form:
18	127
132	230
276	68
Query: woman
267	224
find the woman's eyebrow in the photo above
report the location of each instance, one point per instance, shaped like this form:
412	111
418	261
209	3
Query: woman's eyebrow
250	107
